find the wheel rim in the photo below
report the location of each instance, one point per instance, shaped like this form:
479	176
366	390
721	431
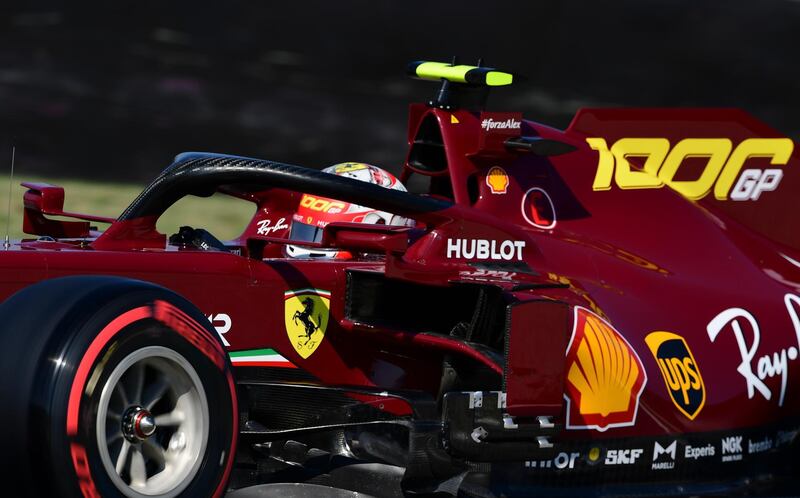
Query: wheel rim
152	423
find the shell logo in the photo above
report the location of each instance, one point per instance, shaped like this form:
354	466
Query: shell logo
605	376
497	180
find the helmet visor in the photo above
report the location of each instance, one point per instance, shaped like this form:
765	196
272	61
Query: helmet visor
302	232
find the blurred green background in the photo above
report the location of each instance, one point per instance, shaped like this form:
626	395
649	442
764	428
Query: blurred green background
223	216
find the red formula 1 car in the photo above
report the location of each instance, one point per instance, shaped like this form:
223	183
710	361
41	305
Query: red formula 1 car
610	309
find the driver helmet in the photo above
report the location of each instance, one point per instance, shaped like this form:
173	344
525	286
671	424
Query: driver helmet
315	212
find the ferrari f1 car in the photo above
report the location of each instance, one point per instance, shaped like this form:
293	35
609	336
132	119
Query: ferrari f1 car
610	309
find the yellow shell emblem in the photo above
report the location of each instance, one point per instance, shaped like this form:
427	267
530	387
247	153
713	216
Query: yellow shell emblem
497	180
605	376
306	317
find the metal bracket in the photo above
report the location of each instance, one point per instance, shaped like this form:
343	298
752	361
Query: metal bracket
475	400
508	422
501	401
545	422
479	434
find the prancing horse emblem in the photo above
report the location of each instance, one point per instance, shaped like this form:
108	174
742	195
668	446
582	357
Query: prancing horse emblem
306	318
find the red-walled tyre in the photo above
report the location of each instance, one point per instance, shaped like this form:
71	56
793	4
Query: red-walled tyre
112	387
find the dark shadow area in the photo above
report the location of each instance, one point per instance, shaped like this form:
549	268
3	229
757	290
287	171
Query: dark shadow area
114	90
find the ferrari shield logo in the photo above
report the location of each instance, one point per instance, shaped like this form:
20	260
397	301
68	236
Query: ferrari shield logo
306	316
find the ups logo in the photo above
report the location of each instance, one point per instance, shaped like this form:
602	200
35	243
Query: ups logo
679	369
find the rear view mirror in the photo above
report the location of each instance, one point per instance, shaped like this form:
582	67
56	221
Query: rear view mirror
358	237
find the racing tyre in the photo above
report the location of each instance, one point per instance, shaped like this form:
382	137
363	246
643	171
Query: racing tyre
112	388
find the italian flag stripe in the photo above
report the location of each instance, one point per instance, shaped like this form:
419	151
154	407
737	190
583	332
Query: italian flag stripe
320	292
271	364
259	358
252	352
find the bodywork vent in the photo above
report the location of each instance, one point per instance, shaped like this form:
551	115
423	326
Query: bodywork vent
427	152
474	313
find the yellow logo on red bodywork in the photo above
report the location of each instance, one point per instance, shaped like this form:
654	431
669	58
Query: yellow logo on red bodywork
680	371
306	317
323	205
497	180
662	164
605	376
